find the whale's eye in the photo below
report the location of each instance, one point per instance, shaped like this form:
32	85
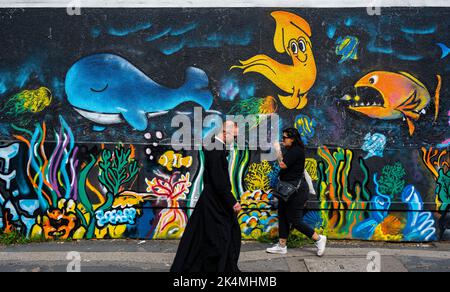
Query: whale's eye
373	79
100	90
302	45
294	47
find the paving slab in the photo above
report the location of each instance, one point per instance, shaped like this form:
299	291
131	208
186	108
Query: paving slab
268	265
157	255
425	264
352	264
296	264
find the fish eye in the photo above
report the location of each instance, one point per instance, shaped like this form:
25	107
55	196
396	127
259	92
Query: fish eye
294	47
373	79
302	45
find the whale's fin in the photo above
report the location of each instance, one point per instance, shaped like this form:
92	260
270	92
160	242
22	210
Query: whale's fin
98	128
196	85
137	119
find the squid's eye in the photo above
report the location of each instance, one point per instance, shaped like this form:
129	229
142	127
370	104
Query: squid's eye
373	79
294	48
302	46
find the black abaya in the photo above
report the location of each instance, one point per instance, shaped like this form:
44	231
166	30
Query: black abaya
212	239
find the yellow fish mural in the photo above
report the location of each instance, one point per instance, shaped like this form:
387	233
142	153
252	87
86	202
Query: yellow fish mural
171	160
29	101
292	36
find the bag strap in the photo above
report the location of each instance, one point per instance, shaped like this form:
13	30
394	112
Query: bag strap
300	181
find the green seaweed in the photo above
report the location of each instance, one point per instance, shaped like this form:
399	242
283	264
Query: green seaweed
84	198
391	181
117	169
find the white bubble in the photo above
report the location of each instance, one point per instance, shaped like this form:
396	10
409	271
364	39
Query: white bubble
148	151
159	135
148	136
155	144
151	157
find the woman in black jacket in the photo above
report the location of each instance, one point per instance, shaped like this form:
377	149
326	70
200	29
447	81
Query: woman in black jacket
292	165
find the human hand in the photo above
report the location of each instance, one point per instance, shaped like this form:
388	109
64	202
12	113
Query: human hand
237	208
277	146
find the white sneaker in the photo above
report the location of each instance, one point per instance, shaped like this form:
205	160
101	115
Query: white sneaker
277	249
321	245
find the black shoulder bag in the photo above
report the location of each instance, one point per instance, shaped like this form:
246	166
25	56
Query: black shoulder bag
284	190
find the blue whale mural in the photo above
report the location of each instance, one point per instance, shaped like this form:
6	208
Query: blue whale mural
107	89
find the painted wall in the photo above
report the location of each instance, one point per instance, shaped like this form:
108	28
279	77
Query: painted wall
87	102
231	3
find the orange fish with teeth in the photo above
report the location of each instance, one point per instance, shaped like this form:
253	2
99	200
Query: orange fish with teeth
389	95
292	36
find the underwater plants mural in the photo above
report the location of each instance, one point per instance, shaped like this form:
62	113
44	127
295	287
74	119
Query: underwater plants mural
391	181
257	218
173	220
258	176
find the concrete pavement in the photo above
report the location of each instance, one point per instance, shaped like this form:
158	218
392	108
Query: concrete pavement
157	256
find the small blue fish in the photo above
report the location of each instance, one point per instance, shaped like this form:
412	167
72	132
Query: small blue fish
445	50
374	144
347	47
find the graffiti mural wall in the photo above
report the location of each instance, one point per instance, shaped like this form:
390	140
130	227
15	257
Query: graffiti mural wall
87	101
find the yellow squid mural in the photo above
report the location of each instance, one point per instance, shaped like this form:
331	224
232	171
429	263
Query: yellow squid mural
292	36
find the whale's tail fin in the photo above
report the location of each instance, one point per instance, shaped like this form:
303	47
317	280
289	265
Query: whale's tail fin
196	86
